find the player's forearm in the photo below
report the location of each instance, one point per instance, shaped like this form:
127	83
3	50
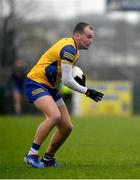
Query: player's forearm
68	80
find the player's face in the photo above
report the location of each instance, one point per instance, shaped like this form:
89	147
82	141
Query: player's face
86	38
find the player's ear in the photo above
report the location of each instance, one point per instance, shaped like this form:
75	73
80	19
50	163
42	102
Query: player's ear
77	36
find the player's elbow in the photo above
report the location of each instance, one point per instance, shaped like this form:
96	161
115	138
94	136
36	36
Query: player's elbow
66	82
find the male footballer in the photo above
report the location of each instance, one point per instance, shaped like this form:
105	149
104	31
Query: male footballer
55	66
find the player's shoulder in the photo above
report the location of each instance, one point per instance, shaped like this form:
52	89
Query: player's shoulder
66	41
69	52
68	45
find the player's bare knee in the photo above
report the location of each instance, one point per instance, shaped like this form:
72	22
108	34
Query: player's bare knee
55	118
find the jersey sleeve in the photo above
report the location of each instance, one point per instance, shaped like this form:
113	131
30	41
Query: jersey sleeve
67	54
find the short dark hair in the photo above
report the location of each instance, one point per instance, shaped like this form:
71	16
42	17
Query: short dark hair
80	27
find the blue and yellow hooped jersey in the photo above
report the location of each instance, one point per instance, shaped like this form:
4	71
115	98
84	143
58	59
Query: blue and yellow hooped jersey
48	68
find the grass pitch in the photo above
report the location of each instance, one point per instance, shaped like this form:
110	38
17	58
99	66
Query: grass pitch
98	148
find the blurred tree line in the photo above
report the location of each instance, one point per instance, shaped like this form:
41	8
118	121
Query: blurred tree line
22	37
10	22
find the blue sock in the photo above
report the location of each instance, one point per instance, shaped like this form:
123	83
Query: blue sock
35	146
34	149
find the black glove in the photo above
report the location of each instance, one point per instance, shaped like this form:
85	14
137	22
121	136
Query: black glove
95	95
80	81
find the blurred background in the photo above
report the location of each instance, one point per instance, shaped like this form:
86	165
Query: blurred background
29	27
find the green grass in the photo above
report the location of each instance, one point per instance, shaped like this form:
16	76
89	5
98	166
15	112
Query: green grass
98	148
